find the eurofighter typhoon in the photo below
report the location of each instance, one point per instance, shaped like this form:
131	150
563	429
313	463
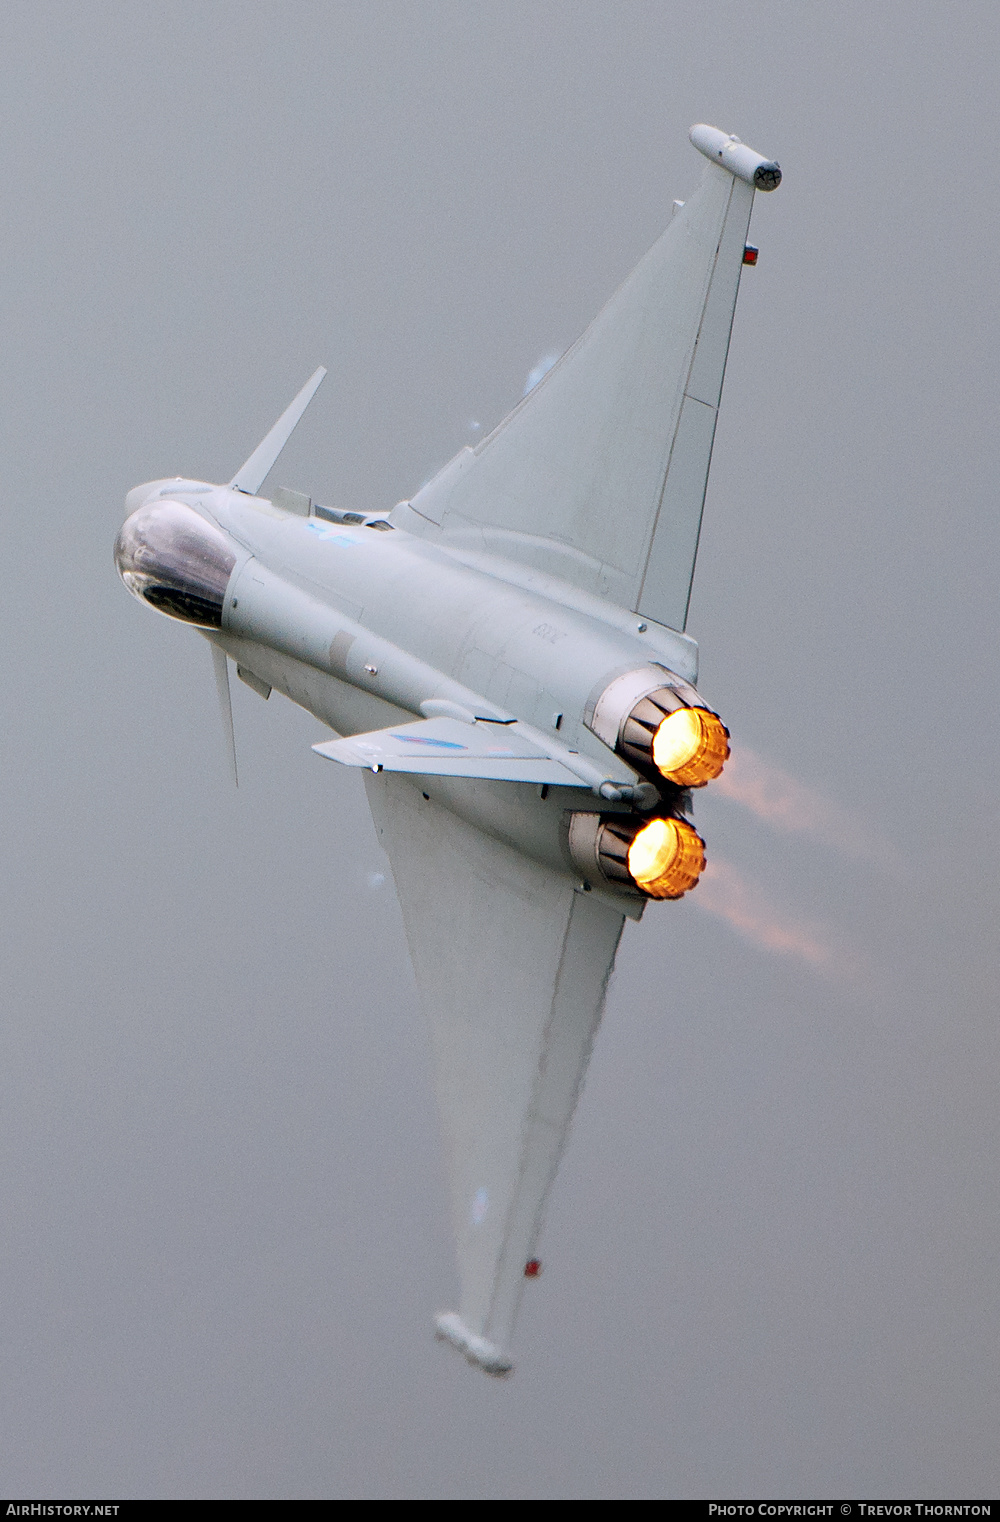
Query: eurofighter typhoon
504	656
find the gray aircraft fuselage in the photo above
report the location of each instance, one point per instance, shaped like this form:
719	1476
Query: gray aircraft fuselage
360	623
538	739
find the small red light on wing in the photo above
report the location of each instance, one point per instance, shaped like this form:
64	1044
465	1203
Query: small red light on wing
750	254
532	1268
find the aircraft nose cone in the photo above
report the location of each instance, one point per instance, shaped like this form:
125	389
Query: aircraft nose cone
139	495
171	557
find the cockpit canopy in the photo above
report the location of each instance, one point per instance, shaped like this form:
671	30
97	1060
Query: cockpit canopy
170	556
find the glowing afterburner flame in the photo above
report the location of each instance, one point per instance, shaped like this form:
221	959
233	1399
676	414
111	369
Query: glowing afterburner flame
691	747
666	858
744	904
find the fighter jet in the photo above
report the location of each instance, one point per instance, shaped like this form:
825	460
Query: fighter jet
505	657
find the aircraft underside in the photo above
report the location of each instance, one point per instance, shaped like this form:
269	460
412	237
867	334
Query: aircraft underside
503	657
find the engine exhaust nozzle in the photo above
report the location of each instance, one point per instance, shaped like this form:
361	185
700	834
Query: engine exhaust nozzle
659	724
688	746
659	858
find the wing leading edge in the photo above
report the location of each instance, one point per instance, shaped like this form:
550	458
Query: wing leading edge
443	747
512	966
599	475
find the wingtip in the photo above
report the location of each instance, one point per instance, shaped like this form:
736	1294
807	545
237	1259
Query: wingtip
725	149
449	1327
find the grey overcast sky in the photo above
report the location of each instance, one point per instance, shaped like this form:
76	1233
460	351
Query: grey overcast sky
771	1253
